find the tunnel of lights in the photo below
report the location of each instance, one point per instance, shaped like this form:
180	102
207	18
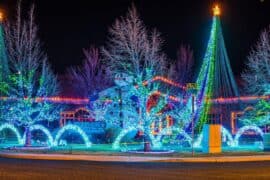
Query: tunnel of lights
227	137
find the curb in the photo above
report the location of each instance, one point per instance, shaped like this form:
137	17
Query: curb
110	158
96	158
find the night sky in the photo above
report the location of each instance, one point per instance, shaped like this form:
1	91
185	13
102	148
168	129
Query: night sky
68	26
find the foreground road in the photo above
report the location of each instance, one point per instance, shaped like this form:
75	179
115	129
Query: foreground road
40	169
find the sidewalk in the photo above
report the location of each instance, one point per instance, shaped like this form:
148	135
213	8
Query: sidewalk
112	158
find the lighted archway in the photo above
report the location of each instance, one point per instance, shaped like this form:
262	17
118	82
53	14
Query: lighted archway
244	129
44	130
74	128
227	137
13	129
116	144
198	141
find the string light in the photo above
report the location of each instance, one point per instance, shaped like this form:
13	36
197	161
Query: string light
179	131
233	100
168	81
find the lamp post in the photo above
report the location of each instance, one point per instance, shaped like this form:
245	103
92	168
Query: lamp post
193	100
192	88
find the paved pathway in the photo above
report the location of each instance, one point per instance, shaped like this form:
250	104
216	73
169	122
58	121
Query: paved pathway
44	169
115	158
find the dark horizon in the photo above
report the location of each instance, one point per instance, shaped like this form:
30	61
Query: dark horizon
66	28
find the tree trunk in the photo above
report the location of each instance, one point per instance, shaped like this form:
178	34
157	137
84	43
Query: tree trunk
147	144
27	137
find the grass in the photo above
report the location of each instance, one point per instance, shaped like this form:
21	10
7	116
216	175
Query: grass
106	149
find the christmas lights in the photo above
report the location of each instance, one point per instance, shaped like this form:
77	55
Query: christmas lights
205	78
13	129
216	10
74	128
226	137
171	130
1	16
243	129
44	130
116	144
141	112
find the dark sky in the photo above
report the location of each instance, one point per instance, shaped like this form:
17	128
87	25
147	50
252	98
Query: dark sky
68	26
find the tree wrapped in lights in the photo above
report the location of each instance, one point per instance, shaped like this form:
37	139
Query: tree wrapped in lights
182	115
92	76
4	70
259	115
215	78
257	80
31	76
257	74
133	50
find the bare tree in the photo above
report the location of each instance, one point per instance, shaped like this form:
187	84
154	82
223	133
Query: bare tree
133	50
181	70
31	79
92	76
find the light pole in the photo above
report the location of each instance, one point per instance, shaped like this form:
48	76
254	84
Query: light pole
193	100
192	88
